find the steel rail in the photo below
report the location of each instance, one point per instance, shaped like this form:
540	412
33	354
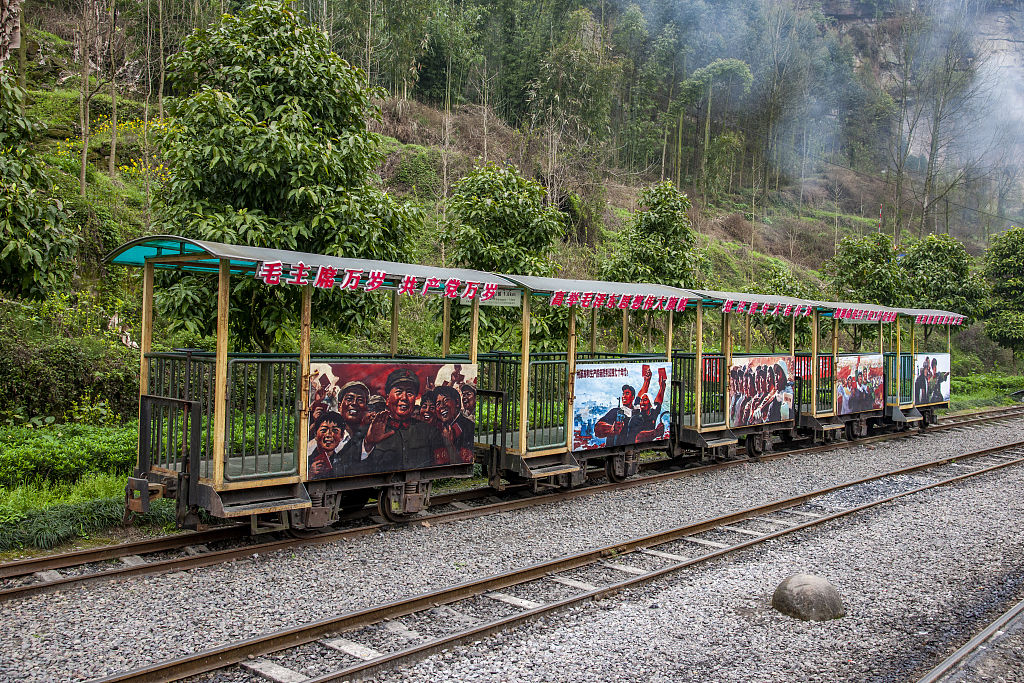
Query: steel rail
233	653
951	662
219	556
112	552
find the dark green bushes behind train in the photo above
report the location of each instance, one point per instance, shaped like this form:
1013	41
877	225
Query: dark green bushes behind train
64	452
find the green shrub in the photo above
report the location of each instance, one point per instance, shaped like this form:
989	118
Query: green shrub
60	356
983	389
64	453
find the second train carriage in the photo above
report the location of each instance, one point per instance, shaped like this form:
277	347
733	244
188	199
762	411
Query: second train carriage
293	440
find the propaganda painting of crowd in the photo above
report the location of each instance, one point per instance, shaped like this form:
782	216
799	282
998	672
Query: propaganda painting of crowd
760	390
931	378
620	404
366	418
859	384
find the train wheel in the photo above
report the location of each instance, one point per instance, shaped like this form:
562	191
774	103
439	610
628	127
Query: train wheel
615	468
755	444
850	430
389	508
354	501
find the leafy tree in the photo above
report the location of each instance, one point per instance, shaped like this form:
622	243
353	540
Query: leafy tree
269	147
938	272
1004	269
776	278
497	221
866	270
37	245
658	244
731	73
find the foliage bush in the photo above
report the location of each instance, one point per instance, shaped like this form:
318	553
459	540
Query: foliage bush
980	390
64	452
37	246
61	358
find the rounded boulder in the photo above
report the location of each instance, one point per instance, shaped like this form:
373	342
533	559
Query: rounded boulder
808	597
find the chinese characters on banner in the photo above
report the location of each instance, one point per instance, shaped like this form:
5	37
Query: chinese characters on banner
635	302
939	319
753	307
327	277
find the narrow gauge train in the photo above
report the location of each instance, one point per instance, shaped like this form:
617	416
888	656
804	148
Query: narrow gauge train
292	440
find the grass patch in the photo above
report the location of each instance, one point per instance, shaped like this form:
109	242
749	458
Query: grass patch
59	524
982	390
18	502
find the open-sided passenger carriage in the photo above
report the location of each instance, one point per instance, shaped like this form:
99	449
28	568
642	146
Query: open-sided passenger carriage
294	440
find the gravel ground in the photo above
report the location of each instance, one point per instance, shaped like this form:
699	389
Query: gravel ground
917	579
97	630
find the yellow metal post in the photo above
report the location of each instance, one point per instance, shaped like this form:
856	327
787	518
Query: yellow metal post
698	384
146	338
881	338
446	322
593	330
625	330
571	359
835	357
221	372
792	337
898	350
394	323
668	336
304	374
146	335
474	331
949	338
814	364
727	340
747	342
524	372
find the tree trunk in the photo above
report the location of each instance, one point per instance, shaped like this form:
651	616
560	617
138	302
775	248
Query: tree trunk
83	95
163	69
112	161
22	54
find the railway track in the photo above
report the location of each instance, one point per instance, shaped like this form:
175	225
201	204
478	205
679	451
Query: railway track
214	546
950	668
374	640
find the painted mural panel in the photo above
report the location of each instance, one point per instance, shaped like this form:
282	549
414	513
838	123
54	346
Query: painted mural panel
931	378
860	383
620	404
366	418
760	390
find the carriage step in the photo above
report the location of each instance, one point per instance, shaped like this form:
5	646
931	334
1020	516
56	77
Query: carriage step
716	443
263	506
829	426
552	470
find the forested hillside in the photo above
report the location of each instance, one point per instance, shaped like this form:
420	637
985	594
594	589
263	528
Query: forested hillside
774	146
863	151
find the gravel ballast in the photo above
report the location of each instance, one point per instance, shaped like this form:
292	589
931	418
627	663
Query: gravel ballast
100	629
919	577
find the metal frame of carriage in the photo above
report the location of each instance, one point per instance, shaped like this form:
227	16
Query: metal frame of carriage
224	432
